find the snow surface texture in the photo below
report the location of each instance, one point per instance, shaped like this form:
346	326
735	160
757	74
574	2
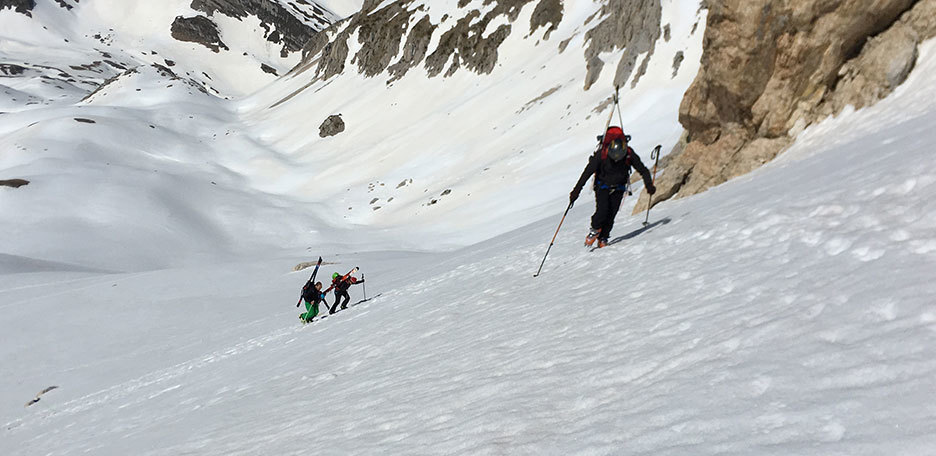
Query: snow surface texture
790	311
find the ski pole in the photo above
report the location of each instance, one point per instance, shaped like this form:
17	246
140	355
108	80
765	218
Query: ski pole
655	155
553	240
364	286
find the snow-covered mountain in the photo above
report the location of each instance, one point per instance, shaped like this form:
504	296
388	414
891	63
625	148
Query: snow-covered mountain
405	169
491	77
61	50
153	214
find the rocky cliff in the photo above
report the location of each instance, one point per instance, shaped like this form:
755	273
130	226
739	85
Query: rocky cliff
291	24
20	6
770	68
395	37
103	50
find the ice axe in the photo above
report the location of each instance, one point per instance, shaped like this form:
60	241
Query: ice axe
655	155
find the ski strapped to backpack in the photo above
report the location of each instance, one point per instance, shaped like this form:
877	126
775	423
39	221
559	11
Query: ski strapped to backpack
610	134
310	282
341	279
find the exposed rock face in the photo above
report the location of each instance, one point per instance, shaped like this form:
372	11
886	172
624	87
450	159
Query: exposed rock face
770	68
268	69
380	36
381	32
198	29
548	13
65	4
332	126
20	6
677	62
9	69
281	26
15	183
633	25
885	61
415	49
465	44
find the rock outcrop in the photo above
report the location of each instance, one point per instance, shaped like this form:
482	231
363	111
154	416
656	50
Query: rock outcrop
395	37
632	25
548	13
65	4
331	126
770	68
9	69
291	28
198	29
20	6
15	183
381	32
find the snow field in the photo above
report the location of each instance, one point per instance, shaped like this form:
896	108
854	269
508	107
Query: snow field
481	137
787	312
790	311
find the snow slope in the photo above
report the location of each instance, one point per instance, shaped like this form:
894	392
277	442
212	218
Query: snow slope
469	148
787	312
87	43
145	272
406	171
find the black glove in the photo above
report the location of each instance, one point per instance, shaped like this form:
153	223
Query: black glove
651	189
574	195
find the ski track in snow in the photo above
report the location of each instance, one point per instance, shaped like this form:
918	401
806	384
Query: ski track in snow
153	380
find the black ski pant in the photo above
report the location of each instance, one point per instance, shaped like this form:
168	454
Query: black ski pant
339	294
607	204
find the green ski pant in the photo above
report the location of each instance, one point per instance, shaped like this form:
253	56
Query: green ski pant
311	311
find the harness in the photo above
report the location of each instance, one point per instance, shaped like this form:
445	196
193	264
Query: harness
621	187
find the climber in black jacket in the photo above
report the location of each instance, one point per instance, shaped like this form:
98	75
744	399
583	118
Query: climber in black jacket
611	166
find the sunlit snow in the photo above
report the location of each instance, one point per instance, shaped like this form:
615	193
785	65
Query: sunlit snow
146	270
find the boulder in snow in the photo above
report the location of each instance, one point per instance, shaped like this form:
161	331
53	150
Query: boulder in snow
15	183
331	126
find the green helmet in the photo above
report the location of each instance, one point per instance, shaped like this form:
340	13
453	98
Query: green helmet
334	276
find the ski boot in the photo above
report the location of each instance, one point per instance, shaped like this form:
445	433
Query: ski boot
592	235
602	243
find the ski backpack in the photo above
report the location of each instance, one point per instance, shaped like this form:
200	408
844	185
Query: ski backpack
309	292
609	136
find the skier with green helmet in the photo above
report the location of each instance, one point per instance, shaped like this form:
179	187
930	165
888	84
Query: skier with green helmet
341	284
